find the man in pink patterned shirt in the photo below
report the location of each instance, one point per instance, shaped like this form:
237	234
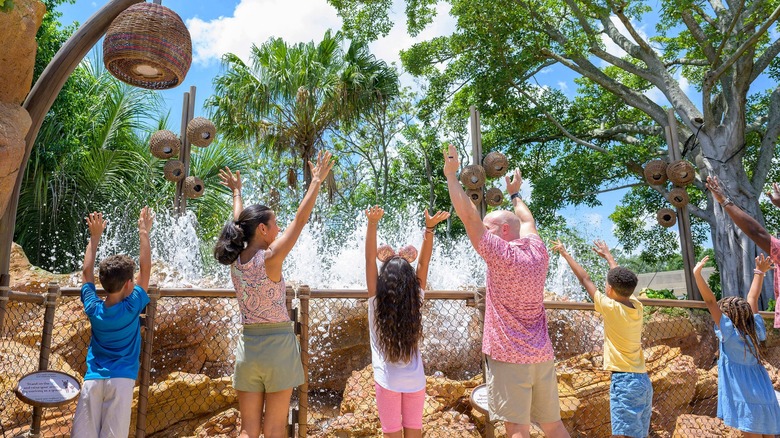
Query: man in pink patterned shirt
753	230
520	371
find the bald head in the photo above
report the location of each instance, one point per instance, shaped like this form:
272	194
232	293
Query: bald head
503	224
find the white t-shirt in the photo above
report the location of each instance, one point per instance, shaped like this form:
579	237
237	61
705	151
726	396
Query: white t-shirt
395	376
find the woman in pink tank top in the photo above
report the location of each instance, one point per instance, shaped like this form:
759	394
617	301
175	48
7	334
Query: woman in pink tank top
268	356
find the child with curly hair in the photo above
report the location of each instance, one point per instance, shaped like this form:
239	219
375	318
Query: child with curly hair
395	324
746	399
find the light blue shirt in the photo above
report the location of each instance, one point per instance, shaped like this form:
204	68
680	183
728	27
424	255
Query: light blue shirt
115	346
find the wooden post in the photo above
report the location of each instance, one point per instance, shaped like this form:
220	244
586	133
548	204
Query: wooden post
479	301
476	149
41	98
683	217
5	291
304	293
52	294
146	361
292	415
187	114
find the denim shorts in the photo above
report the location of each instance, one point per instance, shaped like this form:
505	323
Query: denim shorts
630	404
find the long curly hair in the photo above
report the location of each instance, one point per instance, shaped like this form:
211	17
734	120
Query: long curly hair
398	310
739	312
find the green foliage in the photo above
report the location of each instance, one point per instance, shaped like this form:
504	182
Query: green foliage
6	5
661	294
771	306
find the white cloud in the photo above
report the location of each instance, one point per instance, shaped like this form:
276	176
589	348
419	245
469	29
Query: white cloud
563	86
254	21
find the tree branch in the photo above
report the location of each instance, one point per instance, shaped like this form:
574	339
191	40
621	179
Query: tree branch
698	34
765	59
611	189
687	61
757	125
692	209
768	143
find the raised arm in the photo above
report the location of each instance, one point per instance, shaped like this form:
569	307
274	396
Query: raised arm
284	244
706	292
464	208
96	225
745	222
600	247
527	223
374	214
427	246
145	220
233	182
763	264
578	270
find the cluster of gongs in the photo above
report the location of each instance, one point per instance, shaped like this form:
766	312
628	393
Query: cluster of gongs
680	173
473	178
165	145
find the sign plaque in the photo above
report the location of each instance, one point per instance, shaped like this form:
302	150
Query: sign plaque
479	399
47	389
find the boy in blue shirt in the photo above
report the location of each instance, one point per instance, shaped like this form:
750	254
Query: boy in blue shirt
112	358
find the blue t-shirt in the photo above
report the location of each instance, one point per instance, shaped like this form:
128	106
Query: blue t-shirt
116	334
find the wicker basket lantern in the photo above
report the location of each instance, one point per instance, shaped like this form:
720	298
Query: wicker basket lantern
148	46
678	197
681	173
200	131
495	164
475	195
473	176
174	170
655	172
164	144
193	187
666	217
494	197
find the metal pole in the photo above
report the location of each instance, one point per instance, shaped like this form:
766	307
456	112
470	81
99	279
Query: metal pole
146	361
683	217
5	291
303	396
52	294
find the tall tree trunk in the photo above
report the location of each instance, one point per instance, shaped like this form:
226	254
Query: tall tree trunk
306	156
735	252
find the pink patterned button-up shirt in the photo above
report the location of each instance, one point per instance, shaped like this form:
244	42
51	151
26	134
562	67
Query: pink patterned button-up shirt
260	299
515	321
775	256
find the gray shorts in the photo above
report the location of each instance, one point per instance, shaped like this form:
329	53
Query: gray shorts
522	393
268	358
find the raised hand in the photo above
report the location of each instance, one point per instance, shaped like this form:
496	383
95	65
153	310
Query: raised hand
145	219
374	214
324	164
557	246
451	161
717	191
96	224
699	266
764	263
432	221
774	194
513	185
600	247
230	180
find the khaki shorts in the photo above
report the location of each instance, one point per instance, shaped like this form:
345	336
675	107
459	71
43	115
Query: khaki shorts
268	358
522	393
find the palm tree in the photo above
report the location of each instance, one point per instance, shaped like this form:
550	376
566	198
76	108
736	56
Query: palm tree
289	96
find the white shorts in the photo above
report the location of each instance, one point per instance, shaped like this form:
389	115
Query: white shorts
104	408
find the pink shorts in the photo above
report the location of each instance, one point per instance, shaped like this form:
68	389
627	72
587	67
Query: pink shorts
399	410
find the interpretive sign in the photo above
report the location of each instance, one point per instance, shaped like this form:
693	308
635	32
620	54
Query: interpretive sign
479	398
47	389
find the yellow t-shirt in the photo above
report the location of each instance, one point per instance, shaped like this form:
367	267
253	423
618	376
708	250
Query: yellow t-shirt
622	334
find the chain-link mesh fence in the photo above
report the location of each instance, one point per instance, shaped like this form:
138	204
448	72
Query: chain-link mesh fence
195	333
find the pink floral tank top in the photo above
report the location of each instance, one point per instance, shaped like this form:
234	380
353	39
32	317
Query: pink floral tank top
260	299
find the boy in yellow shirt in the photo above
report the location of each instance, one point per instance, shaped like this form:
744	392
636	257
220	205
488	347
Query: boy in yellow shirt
630	392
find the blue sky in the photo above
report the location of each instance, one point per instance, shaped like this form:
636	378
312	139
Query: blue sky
218	27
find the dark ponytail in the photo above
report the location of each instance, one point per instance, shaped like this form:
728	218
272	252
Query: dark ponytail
235	234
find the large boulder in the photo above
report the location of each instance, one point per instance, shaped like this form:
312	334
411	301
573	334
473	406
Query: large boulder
14	124
703	427
17	59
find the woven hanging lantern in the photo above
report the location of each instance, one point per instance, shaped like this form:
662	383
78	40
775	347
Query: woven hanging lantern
494	197
678	197
655	172
164	144
473	176
148	46
273	198
681	173
475	195
201	132
495	164
174	170
193	187
666	217
292	178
